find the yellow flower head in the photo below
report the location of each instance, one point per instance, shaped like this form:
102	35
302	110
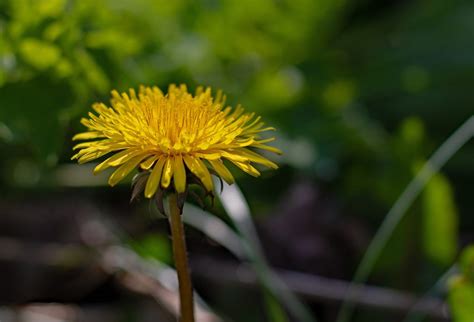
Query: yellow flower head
173	138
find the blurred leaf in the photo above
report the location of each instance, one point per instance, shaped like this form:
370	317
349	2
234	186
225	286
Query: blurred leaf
154	246
461	299
440	220
6	134
276	90
93	72
415	79
274	310
339	94
461	288
50	7
466	263
39	54
412	133
31	111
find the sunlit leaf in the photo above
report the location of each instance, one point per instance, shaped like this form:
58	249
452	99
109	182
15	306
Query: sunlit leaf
39	54
440	221
461	299
466	263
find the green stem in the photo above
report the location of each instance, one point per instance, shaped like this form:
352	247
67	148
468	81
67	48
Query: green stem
181	261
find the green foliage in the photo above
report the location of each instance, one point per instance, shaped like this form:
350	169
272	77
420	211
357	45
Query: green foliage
440	220
274	310
466	263
154	247
56	57
461	289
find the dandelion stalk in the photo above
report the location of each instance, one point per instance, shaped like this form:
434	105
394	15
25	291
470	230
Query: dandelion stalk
181	261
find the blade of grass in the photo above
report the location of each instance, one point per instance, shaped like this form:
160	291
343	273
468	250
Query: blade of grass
238	210
214	228
460	137
220	232
274	310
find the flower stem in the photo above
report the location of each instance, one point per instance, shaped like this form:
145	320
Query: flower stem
181	261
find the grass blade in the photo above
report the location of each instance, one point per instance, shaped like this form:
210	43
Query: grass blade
238	210
460	137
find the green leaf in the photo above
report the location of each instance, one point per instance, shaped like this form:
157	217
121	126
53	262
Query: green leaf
273	308
38	53
50	8
461	288
93	71
440	221
153	246
461	299
466	263
30	110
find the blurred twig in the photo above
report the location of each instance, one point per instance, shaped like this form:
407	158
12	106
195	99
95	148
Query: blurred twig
147	277
60	312
141	276
131	271
53	254
316	288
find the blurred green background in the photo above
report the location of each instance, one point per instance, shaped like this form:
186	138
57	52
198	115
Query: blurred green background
361	92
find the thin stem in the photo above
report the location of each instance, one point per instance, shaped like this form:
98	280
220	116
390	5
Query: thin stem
181	261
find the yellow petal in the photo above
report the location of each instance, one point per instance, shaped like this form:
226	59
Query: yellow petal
167	173
268	148
116	160
222	171
179	174
245	142
124	169
254	122
265	140
209	155
233	156
83	145
100	107
257	158
87	136
91	156
197	167
154	179
258	130
246	167
148	163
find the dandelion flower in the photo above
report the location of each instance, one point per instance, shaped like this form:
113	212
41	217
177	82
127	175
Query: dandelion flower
173	138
